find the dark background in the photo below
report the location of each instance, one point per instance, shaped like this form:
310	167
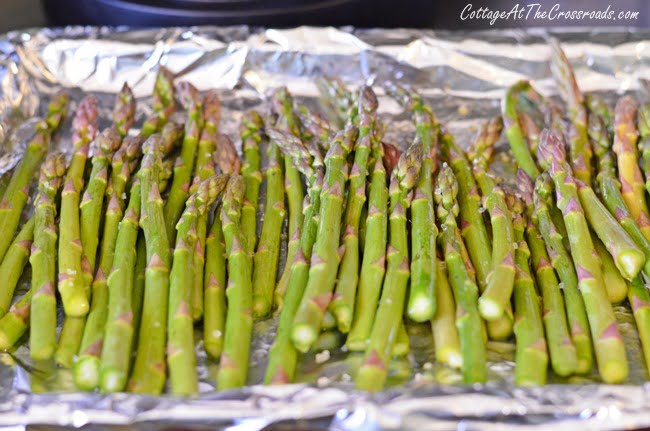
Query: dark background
16	14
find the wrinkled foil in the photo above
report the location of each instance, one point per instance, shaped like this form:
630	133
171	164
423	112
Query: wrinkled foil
462	75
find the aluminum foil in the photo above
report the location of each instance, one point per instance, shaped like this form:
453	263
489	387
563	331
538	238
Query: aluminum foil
462	75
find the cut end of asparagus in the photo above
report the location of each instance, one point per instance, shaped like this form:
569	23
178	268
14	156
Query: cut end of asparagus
564	361
371	378
490	310
451	357
112	381
303	337
343	314
76	305
356	344
261	307
630	263
421	309
86	373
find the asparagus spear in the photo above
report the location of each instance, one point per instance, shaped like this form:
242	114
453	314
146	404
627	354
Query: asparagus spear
181	359
148	371
288	121
74	291
233	367
632	185
628	257
283	356
337	100
421	303
204	169
214	316
326	254
643	124
610	188
374	370
15	196
610	351
516	137
531	359
639	298
373	264
580	152
93	201
564	359
71	286
615	284
343	302
500	281
13	264
563	264
86	370
251	136
40	305
179	191
268	249
468	320
443	324
118	338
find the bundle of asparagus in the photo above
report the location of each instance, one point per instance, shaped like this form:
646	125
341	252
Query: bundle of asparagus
377	240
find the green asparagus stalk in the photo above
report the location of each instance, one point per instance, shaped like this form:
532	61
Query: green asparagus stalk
251	136
531	358
181	359
580	152
289	122
118	339
643	124
610	188
530	131
374	370
608	344
563	264
492	302
628	257
268	249
124	111
283	356
15	196
632	184
149	369
13	264
184	167
214	316
41	310
615	284
163	96
473	229
516	137
326	253
468	320
421	303
337	100
86	372
233	367
443	324
639	298
564	360
373	265
71	284
343	302
92	203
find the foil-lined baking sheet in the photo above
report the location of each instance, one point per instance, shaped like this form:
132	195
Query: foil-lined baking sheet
462	75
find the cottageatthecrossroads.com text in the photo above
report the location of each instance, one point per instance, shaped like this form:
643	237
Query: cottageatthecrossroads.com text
538	12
